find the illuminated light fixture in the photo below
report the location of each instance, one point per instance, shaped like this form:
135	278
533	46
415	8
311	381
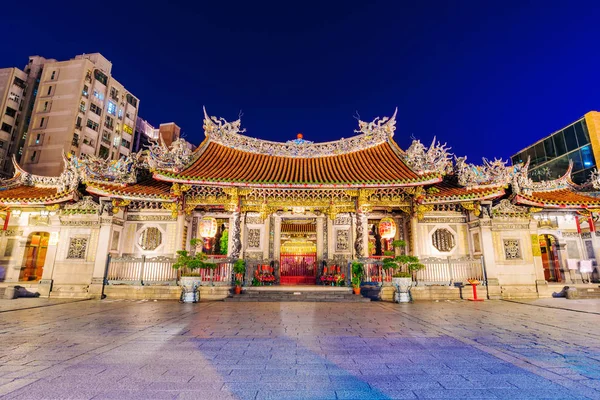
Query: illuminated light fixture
208	227
298	210
44	213
387	228
16	213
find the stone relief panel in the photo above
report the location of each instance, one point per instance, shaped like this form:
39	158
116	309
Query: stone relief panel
342	219
114	243
342	240
77	248
512	249
573	249
254	238
589	248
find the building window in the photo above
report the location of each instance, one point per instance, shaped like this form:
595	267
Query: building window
131	100
82	106
128	129
75	141
106	136
14	97
53	75
114	93
38	138
19	82
512	249
78	123
103	152
45	106
95	109
85	91
125	143
120	114
32	159
92	125
150	239
111	108
109	122
42	122
6	127
11	112
443	240
49	90
98	95
100	77
77	247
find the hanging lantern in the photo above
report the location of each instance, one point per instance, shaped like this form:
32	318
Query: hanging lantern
208	227
387	228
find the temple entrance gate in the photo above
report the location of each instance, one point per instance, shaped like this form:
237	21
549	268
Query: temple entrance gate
550	259
298	254
35	256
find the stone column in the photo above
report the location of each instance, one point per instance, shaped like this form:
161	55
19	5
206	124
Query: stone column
180	240
102	251
236	234
362	237
489	259
414	226
538	265
45	285
320	238
276	237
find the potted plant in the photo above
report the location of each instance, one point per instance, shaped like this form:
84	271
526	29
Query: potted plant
357	274
190	263
239	269
402	279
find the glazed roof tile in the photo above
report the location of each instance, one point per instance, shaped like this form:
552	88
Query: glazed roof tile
149	188
32	195
562	198
378	165
448	191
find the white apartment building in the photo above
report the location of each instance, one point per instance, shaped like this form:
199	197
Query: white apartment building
12	93
79	109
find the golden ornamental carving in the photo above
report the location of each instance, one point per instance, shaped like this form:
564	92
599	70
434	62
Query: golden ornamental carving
53	207
535	209
173	207
178	190
415	191
472	206
421	209
119	204
351	192
189	208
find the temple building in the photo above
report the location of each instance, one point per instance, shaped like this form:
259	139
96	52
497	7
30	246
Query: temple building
298	208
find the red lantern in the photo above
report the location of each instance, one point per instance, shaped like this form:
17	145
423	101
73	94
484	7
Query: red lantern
387	228
208	227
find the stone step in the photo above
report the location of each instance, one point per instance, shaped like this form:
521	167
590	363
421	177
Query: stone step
290	296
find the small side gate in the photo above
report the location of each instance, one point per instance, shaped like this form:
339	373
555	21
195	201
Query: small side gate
298	269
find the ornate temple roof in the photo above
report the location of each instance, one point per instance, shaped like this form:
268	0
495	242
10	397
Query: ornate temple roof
448	192
30	195
559	198
369	159
148	189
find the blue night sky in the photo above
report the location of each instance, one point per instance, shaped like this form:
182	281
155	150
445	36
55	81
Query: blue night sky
486	77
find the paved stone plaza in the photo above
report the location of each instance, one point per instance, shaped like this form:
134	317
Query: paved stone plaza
147	350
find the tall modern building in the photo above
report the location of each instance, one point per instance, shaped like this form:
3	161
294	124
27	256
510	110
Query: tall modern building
12	98
578	142
76	107
145	132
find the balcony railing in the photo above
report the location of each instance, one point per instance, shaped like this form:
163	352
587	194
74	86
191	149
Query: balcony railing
145	271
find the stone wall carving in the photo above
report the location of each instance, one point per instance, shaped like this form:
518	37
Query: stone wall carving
342	240
342	219
77	248
150	217
253	238
443	240
512	249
